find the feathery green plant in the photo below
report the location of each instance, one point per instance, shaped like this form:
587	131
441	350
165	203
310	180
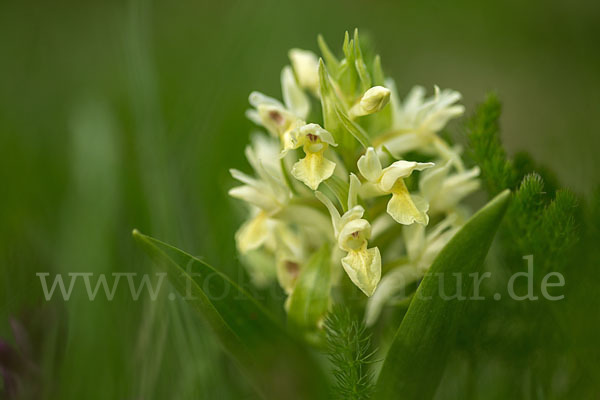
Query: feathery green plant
350	352
485	147
542	218
548	222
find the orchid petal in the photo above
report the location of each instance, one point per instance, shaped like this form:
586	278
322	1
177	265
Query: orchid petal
313	169
370	166
364	268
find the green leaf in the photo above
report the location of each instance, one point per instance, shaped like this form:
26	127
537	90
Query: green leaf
310	299
275	362
335	119
361	66
330	59
380	122
348	76
340	190
416	360
354	129
329	101
378	75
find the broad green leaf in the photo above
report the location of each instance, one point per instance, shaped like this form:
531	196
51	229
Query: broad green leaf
275	362
310	299
415	362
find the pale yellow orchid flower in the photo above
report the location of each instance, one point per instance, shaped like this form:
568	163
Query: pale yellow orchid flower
266	193
417	121
444	190
278	119
352	232
422	248
314	168
254	232
403	207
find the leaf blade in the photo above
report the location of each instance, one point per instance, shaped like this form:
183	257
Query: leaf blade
340	189
353	128
415	362
260	346
310	299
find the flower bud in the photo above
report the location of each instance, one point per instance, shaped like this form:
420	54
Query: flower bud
372	100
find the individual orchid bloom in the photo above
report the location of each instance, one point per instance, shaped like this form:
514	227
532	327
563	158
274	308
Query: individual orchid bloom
417	120
266	193
372	101
444	190
422	248
255	232
314	168
429	115
402	207
352	232
306	66
279	120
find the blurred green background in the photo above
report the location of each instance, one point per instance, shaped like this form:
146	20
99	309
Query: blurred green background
115	115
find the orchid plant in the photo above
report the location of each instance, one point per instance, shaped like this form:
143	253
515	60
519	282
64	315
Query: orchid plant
357	201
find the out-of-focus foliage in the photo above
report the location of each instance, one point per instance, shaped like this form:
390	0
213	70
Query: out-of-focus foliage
116	115
276	363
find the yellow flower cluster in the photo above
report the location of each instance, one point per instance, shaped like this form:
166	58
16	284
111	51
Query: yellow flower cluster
333	169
